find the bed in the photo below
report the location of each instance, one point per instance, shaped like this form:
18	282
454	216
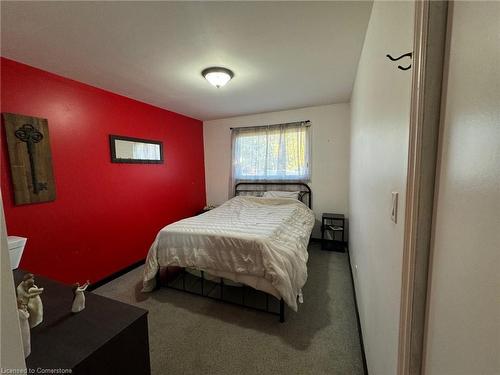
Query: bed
252	240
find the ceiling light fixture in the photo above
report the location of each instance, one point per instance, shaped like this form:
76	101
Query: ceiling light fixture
217	76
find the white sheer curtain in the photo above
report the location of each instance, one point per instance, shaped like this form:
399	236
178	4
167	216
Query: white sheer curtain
271	153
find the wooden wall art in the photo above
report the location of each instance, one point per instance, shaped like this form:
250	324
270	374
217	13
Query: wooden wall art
30	158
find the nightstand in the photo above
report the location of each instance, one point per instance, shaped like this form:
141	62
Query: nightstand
205	209
332	223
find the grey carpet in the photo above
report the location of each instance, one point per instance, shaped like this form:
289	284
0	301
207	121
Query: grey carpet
191	335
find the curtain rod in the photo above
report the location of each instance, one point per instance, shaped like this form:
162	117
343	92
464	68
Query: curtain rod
266	126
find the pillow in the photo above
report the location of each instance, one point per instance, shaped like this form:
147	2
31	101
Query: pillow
282	194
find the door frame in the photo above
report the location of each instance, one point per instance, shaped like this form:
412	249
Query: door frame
430	30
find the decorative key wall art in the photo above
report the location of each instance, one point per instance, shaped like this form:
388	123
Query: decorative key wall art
30	158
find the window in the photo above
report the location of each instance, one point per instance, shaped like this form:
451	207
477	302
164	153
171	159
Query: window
276	153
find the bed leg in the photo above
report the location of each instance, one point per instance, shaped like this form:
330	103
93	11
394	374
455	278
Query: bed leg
158	279
282	311
202	280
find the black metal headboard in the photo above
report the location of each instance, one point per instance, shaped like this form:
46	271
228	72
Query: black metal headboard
259	188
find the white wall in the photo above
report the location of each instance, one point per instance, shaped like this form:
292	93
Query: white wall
330	153
380	112
463	336
11	348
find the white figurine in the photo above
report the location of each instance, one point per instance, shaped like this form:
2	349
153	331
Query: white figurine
24	315
79	300
29	293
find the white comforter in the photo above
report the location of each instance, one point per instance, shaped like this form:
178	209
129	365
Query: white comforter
260	237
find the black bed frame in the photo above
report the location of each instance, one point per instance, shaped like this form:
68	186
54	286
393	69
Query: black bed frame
207	287
259	188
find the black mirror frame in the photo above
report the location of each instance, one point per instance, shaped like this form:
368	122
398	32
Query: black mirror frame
114	159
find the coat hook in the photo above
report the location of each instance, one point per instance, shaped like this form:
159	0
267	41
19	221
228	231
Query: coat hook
409	54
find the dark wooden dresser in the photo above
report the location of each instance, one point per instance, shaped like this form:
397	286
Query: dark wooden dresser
108	337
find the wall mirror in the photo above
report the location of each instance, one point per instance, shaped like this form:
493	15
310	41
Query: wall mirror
135	150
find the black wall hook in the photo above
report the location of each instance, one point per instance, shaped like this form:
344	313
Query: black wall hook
409	54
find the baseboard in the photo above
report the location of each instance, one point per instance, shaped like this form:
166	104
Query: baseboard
365	367
115	275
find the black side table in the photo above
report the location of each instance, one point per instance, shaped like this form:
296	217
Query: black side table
205	209
332	223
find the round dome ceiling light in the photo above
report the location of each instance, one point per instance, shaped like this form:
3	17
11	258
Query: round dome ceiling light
217	76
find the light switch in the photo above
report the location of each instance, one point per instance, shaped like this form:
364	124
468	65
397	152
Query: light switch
394	210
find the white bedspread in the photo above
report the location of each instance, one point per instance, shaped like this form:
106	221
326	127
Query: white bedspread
260	237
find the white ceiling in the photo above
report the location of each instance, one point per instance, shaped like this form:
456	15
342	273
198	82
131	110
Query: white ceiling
284	54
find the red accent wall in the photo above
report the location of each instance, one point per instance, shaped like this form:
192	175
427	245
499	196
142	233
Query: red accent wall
105	215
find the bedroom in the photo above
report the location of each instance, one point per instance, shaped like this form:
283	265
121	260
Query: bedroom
309	78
